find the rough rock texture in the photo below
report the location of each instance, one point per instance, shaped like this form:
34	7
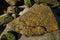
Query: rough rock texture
11	9
12	2
46	1
39	19
49	36
52	3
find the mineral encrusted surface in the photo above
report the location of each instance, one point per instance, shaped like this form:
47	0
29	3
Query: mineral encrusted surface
38	20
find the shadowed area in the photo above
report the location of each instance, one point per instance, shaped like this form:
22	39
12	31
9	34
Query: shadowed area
56	12
17	35
58	0
2	27
3	6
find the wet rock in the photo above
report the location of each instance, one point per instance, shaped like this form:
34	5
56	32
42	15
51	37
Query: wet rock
38	20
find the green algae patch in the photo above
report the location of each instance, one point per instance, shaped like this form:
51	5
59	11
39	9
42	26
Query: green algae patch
10	36
27	3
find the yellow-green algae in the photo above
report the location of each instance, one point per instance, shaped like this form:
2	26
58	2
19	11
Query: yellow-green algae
10	36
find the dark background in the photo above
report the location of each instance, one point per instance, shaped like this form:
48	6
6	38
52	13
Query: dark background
3	6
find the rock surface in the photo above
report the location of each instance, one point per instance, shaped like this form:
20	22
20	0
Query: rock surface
46	1
49	36
12	2
39	19
11	9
